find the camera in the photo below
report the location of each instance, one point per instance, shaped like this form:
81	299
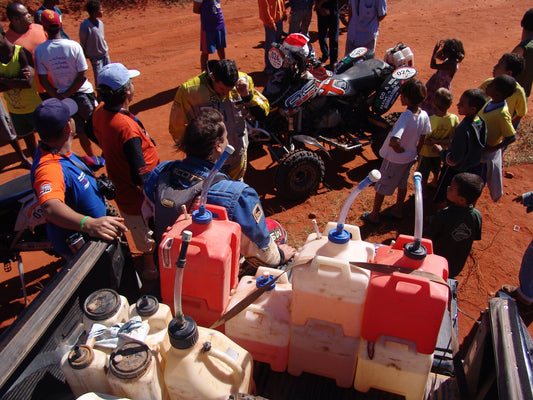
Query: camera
106	187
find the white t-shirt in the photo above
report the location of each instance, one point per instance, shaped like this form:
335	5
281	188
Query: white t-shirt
62	59
408	129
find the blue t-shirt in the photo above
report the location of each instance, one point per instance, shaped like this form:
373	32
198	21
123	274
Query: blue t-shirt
211	15
56	177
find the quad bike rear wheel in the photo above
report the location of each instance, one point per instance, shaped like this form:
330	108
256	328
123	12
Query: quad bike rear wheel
299	174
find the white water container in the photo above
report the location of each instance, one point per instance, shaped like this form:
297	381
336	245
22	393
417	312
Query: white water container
135	374
158	316
263	328
393	365
352	248
408	57
106	307
84	370
326	287
204	364
99	396
321	349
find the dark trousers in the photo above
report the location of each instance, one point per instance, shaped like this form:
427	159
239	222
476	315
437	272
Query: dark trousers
328	28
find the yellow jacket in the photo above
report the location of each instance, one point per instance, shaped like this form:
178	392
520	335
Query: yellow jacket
197	93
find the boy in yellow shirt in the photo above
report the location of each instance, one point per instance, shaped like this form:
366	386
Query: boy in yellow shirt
511	64
500	131
443	124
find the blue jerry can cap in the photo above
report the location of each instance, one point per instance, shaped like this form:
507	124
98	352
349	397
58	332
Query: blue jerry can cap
202	216
264	280
339	236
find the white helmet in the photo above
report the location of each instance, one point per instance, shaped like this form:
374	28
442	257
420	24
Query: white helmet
297	43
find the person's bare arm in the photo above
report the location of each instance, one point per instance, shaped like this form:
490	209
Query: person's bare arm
25	79
395	144
60	214
47	85
76	84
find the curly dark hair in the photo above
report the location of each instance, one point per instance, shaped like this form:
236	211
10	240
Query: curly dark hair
515	63
453	48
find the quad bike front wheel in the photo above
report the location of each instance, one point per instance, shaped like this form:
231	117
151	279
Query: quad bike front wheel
299	174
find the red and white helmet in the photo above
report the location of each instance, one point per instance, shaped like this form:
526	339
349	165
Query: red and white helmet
297	43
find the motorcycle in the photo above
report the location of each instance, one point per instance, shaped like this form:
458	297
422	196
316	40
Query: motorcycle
313	108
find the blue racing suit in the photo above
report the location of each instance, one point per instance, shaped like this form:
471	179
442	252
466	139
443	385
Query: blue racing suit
240	200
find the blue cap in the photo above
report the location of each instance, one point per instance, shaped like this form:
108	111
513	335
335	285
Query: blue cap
52	115
115	75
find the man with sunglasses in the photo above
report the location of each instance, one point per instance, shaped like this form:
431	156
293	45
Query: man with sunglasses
229	91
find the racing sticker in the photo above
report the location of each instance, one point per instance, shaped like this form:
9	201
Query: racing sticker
358	52
307	92
332	87
257	213
46	188
275	57
404	73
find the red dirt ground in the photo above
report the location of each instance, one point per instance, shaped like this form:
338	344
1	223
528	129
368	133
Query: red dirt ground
163	43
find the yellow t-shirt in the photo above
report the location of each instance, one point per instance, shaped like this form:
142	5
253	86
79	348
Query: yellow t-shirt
498	123
516	102
441	128
19	101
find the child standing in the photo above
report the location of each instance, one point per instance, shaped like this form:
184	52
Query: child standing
454	229
92	38
213	29
451	53
511	64
466	145
500	132
400	149
443	124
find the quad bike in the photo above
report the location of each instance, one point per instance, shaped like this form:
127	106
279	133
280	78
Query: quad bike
311	108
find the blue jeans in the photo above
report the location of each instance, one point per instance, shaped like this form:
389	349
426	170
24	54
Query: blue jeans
270	37
328	28
97	64
525	276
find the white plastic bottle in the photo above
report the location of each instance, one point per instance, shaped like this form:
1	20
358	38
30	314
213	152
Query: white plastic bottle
158	316
106	307
204	364
84	369
134	373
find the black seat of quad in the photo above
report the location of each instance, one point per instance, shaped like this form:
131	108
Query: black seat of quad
365	76
15	189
